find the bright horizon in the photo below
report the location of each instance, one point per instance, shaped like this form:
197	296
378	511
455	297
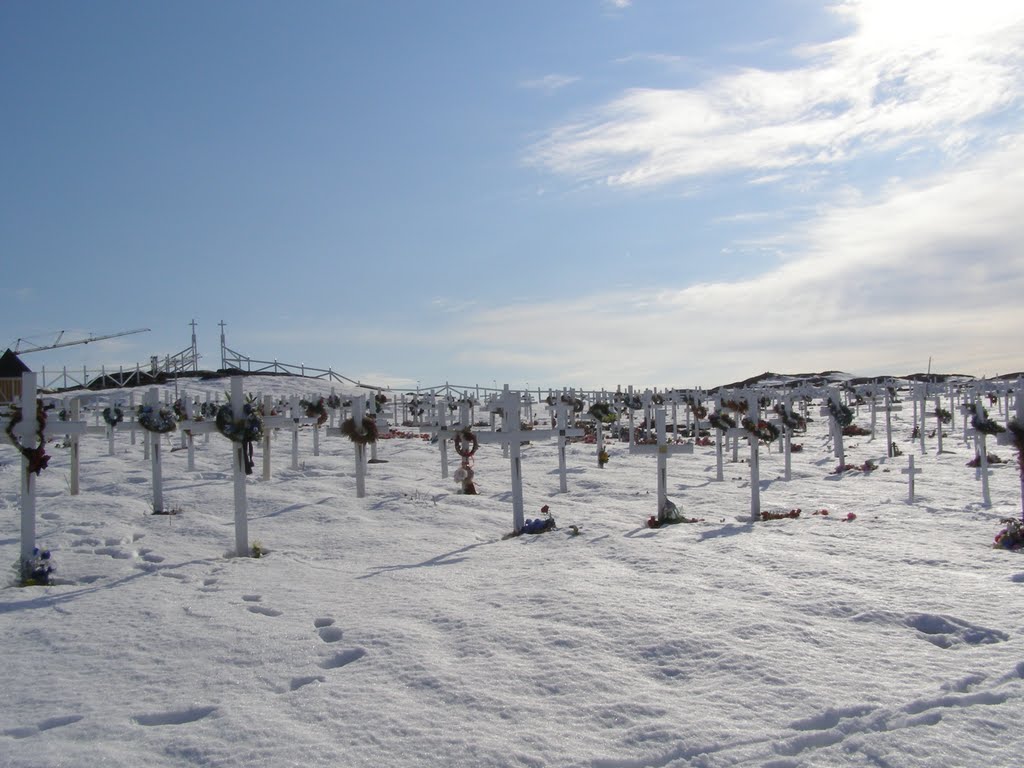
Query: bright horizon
587	194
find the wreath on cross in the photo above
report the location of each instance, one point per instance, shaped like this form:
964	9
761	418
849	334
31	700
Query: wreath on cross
37	457
721	421
246	429
364	434
317	410
841	413
113	416
466	443
982	422
153	419
764	431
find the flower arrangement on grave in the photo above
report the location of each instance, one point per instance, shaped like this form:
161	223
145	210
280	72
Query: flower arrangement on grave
464	476
761	429
179	409
867	466
156	419
791	420
739	406
981	421
333	401
721	421
36	570
669	514
841	413
317	410
379	400
540	524
113	416
37	457
657	399
991	458
602	458
1012	535
855	430
363	434
944	416
208	410
895	449
791	515
796	447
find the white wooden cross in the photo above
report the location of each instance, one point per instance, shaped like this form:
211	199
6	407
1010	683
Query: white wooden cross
836	428
26	432
238	464
152	442
910	471
358	413
890	408
563	431
511	437
982	470
663	449
74	428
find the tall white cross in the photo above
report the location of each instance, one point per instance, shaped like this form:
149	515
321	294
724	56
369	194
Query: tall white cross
663	449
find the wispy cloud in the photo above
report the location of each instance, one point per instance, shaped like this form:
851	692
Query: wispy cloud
549	82
908	74
876	285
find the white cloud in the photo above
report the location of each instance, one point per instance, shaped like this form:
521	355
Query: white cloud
911	72
871	285
549	82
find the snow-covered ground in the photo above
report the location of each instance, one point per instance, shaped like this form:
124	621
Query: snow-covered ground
401	629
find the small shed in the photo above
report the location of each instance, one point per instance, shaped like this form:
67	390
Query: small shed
11	369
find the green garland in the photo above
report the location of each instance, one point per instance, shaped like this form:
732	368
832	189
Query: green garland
981	421
36	457
721	421
763	430
791	420
602	412
841	413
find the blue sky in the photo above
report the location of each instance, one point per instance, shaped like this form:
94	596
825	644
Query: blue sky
580	193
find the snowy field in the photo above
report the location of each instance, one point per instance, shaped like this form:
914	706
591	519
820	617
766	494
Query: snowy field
401	629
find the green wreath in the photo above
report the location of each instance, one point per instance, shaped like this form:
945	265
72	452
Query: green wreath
113	416
247	429
317	410
363	435
841	413
761	429
36	457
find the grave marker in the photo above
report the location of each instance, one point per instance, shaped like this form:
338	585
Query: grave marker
910	472
663	449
